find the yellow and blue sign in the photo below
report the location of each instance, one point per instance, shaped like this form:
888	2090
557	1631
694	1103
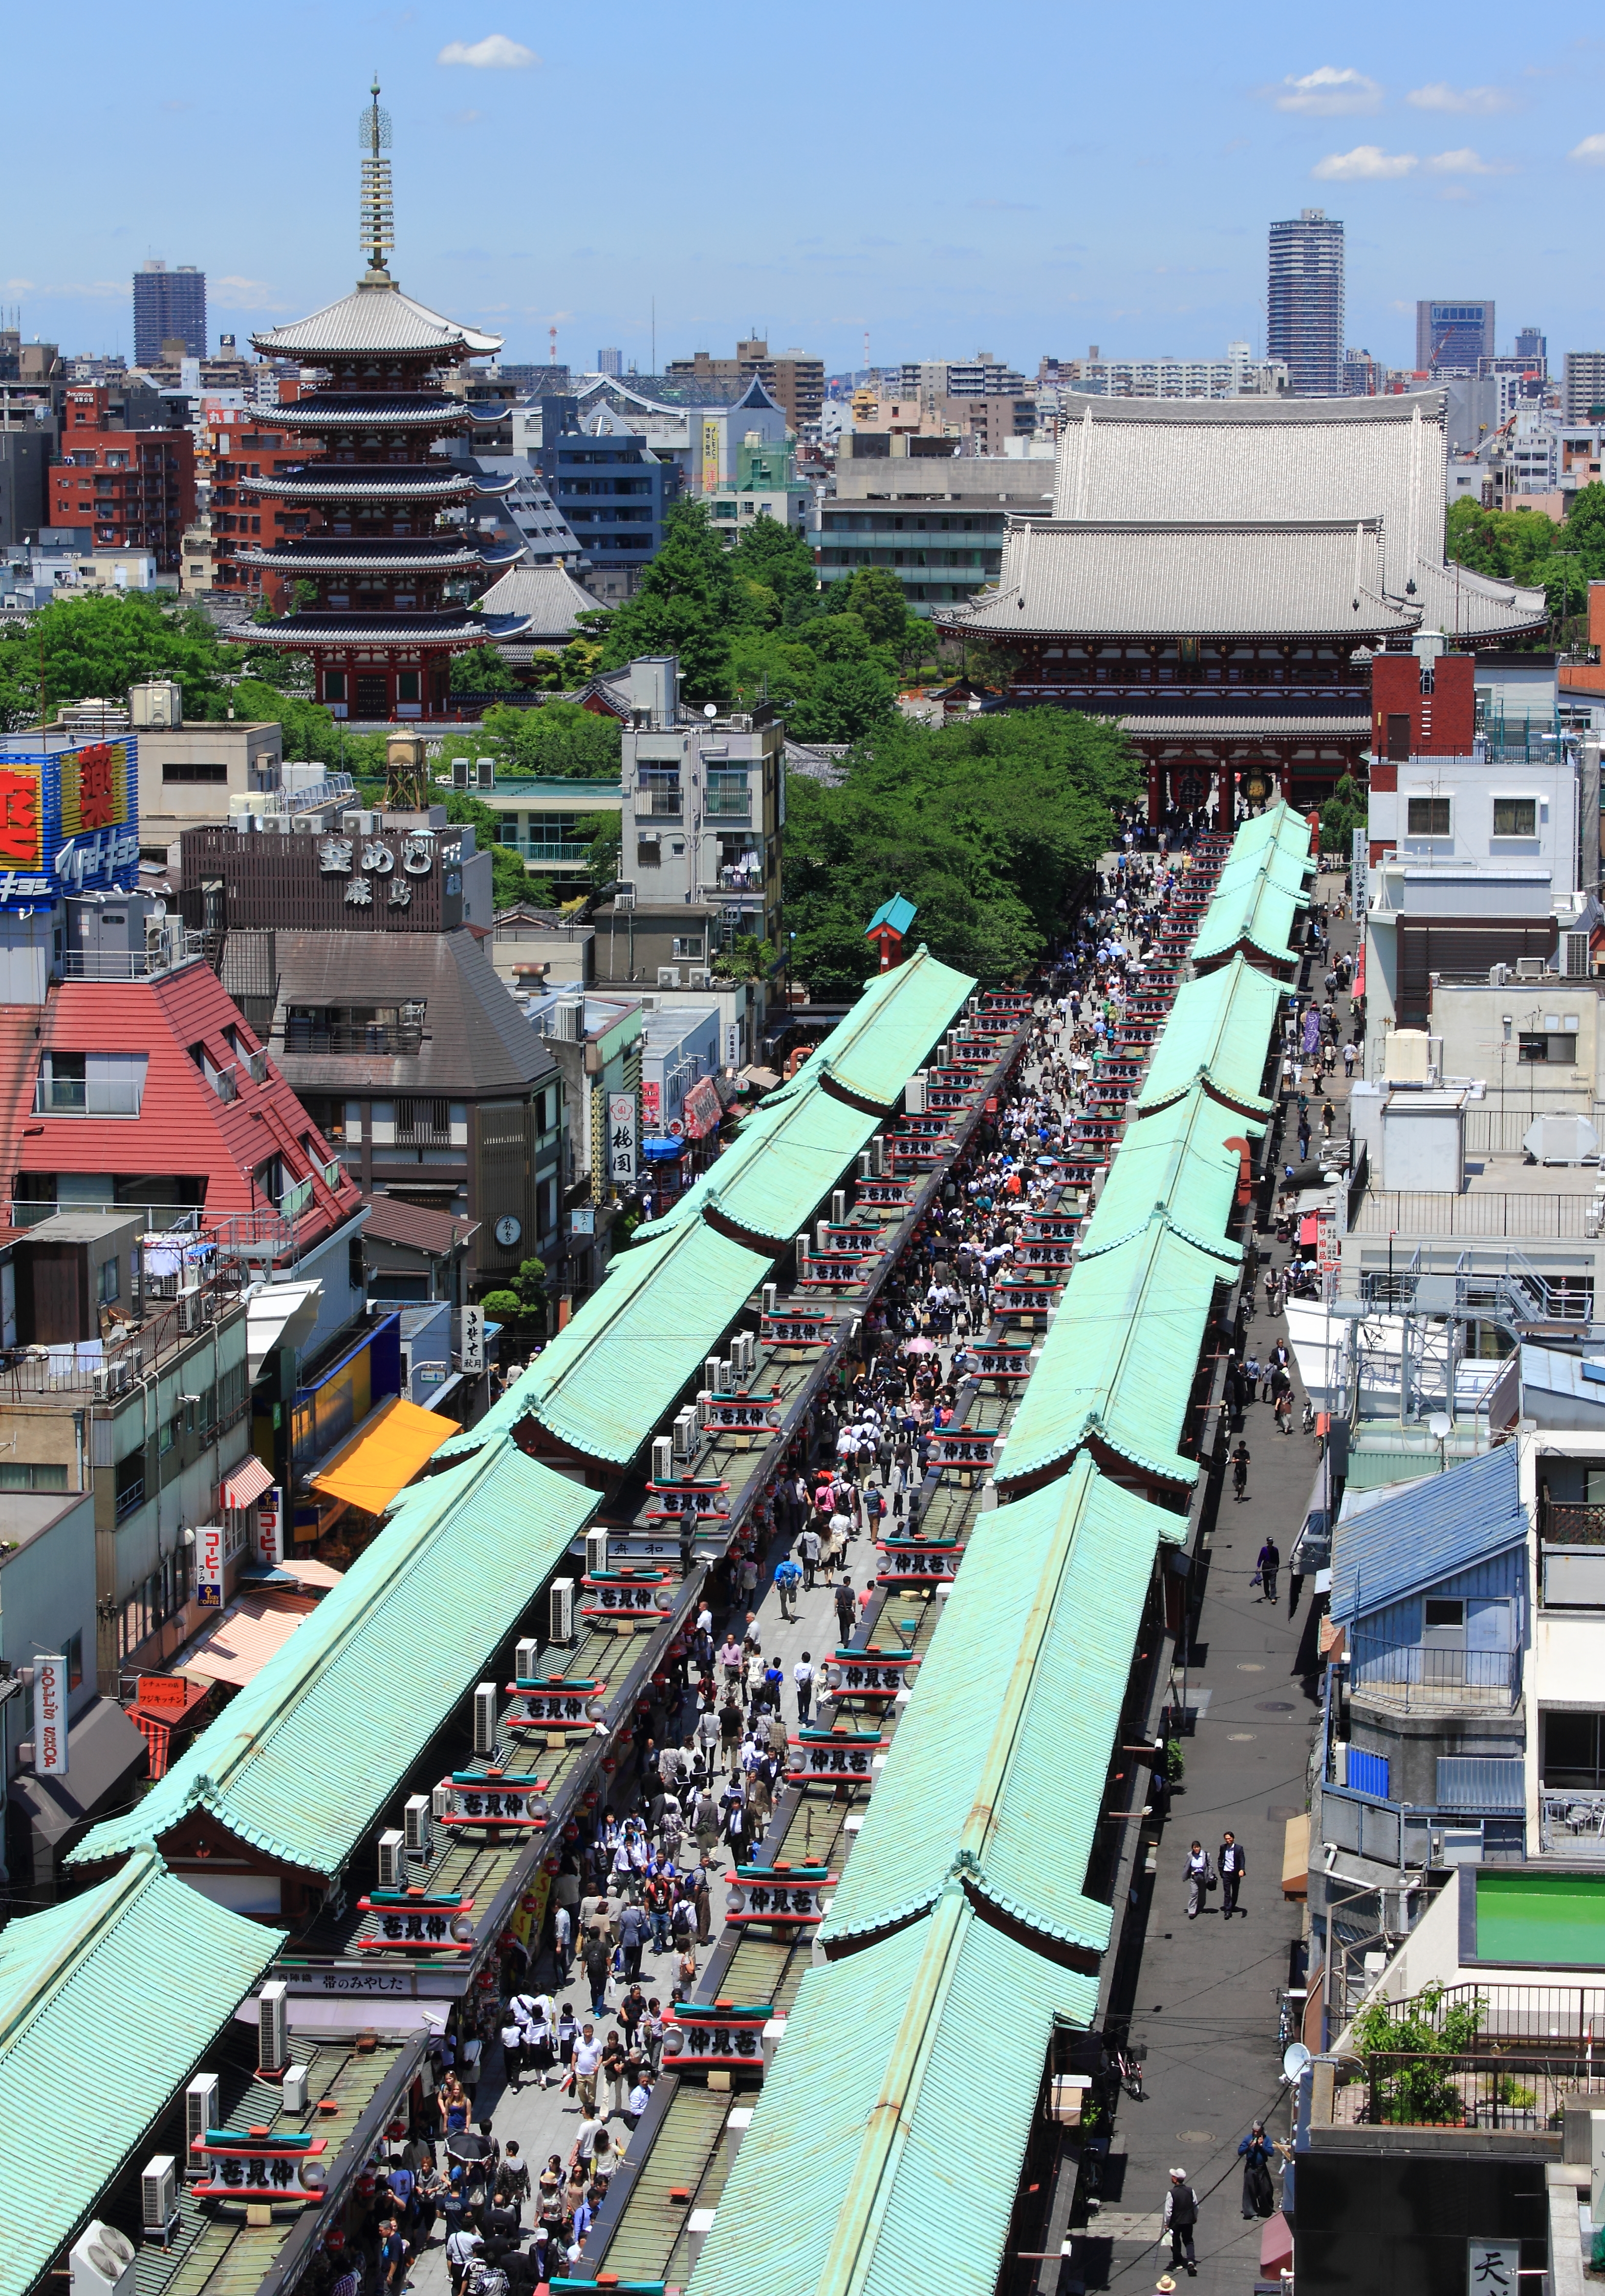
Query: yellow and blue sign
69	823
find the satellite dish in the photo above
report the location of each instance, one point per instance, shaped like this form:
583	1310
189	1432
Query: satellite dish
1438	1426
1294	2058
710	709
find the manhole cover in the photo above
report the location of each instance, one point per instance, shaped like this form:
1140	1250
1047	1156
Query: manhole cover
1239	1737
1250	1666
1281	1811
1274	1705
1195	2135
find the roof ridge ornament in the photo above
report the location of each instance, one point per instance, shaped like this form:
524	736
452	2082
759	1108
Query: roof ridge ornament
378	221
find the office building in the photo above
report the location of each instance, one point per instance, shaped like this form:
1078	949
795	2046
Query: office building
793	379
609	361
170	307
934	518
1532	345
982	377
1362	375
119	487
1452	336
611	491
1304	303
1584	388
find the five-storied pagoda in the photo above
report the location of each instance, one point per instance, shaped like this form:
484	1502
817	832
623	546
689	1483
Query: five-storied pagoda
389	568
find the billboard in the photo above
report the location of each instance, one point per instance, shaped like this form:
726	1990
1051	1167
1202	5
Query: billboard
69	823
622	1138
50	1716
209	1566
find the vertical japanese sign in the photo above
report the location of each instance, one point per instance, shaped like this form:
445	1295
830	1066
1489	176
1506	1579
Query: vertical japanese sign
50	1716
473	1341
209	1566
1360	870
1493	2268
622	1138
270	1528
710	458
652	1105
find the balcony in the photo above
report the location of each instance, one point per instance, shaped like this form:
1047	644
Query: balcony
1571	1823
74	1096
1419	1678
130	1497
388	1038
729	805
1563	1522
659	804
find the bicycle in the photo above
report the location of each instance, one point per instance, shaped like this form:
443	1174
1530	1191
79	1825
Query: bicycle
1308	1421
1286	2022
1128	2058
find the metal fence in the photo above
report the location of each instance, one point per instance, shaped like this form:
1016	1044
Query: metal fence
1518	2089
1495	1213
1571	1823
1417	1677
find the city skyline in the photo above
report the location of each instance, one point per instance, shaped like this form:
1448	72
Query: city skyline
1149	243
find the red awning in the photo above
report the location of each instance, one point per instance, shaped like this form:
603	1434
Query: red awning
1307	1228
244	1483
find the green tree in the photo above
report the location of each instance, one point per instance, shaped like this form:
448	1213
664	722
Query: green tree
480	670
523	1303
310	732
606	834
844	700
778	583
684	605
878	599
557	742
1344	812
748	958
97	647
987	825
1408	2047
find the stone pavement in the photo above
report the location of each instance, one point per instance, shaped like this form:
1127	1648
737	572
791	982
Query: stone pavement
1205	1992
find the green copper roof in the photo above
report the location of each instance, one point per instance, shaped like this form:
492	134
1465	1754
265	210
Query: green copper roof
1174	1162
1218	1033
881	2153
107	2003
1117	1366
781	1167
303	1760
893	1029
1259	913
1013	1714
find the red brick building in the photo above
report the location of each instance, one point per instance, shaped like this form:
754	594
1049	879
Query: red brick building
131	489
246	447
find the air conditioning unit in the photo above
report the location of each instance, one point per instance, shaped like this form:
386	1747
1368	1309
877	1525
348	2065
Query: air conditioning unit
417	1824
804	1245
526	1659
685	1434
567	1025
624	895
700	976
258	1065
459	773
596	1552
1498	974
484	1719
297	2081
711	1380
272	2028
225	1084
878	1156
203	2109
440	1800
101	2263
159	2197
1574	955
485	773
392	1859
668	976
560	1612
103	1381
866	1165
1530	968
771	1299
838	1206
741	1356
822	1235
662	1458
190	1319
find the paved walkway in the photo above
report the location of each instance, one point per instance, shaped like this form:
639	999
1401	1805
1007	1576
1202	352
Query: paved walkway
1205	1997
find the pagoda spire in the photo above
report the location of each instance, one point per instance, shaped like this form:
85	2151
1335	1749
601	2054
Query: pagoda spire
378	217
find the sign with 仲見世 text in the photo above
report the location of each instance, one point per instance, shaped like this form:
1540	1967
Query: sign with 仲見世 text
69	823
50	1716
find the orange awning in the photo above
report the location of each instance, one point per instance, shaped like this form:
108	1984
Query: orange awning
251	1631
383	1456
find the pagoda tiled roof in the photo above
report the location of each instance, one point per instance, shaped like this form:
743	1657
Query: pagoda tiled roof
431	410
437	482
375	316
317	553
317	631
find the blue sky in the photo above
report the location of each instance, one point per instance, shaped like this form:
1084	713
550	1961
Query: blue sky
1022	181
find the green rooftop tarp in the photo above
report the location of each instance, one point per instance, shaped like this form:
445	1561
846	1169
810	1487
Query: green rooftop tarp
1174	1162
998	1770
1117	1366
882	2152
302	1763
107	2004
1218	1034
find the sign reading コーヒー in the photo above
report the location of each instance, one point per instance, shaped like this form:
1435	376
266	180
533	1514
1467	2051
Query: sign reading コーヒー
69	823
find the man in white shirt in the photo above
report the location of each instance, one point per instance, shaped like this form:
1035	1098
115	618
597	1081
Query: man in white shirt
802	1675
588	2058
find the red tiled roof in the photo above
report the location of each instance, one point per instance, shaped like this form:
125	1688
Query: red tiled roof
438	1234
183	1127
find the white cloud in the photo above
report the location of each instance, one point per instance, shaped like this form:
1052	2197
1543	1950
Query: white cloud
1437	96
18	286
1466	162
1327	92
1591	148
1367	163
494	53
234	292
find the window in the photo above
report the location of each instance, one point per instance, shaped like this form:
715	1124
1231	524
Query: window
688	945
187	772
90	1084
1571	1749
1444	1614
1428	817
1538	1046
1515	817
32	1475
110	1282
423	1120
